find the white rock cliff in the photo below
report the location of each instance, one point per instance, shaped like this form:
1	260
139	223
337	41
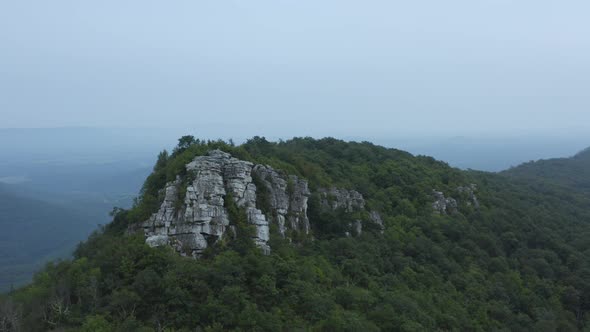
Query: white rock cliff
202	219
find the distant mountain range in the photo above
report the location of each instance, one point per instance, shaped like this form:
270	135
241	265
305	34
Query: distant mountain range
34	232
573	172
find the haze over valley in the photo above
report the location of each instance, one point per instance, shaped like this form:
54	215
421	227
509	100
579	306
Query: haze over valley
281	165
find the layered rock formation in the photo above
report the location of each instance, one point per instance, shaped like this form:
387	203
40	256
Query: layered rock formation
194	212
287	199
202	218
336	198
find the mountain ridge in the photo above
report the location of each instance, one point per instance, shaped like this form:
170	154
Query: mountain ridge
217	180
572	172
459	250
583	154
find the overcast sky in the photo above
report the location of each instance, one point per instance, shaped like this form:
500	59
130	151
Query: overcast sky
299	67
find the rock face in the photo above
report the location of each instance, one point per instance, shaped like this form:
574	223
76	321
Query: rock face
375	217
194	214
442	204
350	201
470	192
287	199
449	205
201	218
335	198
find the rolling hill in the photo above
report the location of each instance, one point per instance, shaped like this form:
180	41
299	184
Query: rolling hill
325	235
571	173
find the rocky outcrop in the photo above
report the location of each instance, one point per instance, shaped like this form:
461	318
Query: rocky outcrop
442	204
469	191
350	201
286	197
449	205
336	198
201	218
375	217
194	211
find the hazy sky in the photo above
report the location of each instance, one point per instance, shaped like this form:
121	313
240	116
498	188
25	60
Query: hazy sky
299	67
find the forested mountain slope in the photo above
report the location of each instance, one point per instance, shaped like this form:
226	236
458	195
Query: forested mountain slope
33	232
469	251
573	173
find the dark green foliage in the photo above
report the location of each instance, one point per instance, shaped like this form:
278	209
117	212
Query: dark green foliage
187	179
241	241
184	143
569	173
262	195
329	224
519	263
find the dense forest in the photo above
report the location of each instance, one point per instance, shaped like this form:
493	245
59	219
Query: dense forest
520	261
572	173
